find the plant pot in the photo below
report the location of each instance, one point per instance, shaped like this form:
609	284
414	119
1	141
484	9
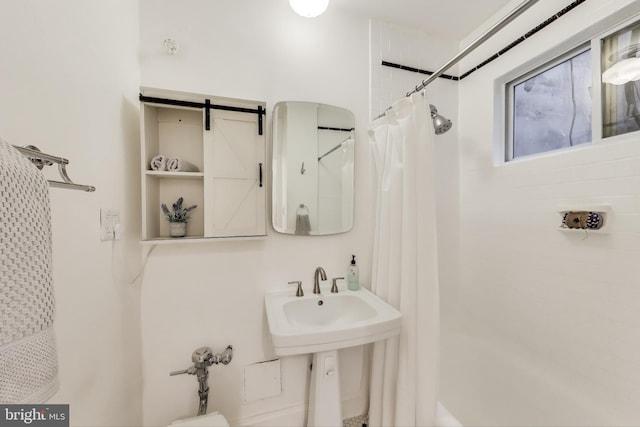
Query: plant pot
177	229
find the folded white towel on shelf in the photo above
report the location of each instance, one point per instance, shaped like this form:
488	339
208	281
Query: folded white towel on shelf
158	163
28	360
176	164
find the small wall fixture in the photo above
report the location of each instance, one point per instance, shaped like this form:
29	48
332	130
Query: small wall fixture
583	220
171	45
586	218
309	8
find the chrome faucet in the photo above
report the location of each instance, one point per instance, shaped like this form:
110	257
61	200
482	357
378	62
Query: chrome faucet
316	283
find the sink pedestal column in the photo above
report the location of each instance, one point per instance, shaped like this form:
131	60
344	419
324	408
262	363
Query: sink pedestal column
325	402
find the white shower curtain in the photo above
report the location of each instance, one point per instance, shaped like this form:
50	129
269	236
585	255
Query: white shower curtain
404	371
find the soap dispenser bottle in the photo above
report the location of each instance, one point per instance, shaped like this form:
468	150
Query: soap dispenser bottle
353	275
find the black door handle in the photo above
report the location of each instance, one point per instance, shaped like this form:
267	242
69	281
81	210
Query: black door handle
260	165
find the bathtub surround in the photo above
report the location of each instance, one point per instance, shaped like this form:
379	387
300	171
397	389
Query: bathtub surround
404	370
550	318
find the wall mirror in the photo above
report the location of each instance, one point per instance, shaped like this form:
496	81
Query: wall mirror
313	179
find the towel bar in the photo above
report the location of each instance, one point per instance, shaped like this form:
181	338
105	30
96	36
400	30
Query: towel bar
40	160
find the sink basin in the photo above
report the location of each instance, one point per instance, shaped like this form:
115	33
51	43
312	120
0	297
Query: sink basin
316	323
335	310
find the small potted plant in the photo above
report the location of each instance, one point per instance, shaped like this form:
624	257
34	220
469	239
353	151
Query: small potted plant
177	217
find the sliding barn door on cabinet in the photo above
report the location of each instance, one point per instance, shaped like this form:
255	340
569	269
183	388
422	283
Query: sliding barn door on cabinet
234	183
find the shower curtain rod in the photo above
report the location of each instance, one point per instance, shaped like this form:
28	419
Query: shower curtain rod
520	9
333	149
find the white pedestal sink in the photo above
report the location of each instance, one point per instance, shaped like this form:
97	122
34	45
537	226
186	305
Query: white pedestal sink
322	324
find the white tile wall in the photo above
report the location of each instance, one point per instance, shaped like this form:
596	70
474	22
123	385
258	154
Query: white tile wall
414	49
567	305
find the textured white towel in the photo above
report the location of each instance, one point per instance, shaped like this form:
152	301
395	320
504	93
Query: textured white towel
158	163
28	360
176	164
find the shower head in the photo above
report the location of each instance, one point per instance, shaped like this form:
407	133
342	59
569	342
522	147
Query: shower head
440	124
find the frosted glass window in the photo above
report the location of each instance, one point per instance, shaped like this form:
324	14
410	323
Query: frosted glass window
551	109
621	66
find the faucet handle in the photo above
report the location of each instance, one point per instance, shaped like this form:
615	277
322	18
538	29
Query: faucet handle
299	291
334	286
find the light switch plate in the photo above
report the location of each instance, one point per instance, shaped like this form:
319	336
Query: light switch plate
109	223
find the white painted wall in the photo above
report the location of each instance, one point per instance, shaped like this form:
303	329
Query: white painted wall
561	313
69	85
212	294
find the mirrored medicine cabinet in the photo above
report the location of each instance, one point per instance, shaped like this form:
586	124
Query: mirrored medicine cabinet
313	168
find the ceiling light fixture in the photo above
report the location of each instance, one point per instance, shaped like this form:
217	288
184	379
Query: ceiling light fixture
309	8
623	72
626	67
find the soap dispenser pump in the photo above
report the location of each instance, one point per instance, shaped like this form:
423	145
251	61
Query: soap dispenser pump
353	275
